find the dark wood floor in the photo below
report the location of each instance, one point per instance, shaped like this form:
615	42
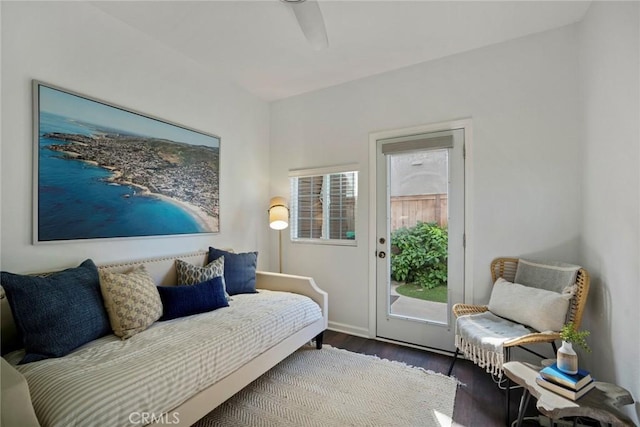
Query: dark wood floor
479	402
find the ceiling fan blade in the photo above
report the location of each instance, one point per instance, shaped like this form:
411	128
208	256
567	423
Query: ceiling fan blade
311	22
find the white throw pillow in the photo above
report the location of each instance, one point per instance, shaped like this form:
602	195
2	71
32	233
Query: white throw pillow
538	308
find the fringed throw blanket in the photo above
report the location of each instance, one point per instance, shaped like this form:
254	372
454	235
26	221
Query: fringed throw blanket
481	336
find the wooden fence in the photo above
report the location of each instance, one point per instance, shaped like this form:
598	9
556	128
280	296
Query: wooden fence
406	211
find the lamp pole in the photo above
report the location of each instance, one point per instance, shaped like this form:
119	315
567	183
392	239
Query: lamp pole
279	251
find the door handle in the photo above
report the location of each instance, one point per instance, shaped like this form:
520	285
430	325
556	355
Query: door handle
382	254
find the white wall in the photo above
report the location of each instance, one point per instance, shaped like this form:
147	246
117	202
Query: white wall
545	182
523	99
610	73
77	46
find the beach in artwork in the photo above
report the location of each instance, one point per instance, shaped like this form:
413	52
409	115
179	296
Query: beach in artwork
99	181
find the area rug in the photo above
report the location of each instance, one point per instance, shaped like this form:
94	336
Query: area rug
334	387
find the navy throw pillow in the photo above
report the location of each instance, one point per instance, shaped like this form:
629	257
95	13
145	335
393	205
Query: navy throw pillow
185	300
239	270
57	313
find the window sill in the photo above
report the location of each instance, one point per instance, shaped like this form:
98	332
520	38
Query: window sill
329	242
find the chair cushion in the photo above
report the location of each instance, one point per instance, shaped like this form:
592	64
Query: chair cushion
57	313
239	270
550	276
538	308
180	301
132	301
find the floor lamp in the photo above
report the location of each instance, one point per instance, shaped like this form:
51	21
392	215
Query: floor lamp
278	220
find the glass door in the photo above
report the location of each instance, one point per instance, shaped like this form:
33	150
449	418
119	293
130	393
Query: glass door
420	237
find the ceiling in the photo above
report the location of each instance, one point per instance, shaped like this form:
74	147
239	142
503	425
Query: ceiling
259	45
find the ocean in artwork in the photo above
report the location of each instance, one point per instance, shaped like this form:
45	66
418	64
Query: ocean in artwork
77	200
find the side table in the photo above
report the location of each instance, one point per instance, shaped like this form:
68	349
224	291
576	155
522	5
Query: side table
602	403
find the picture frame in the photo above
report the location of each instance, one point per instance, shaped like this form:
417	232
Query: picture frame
102	171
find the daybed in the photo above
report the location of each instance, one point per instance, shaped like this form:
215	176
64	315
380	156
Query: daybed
172	373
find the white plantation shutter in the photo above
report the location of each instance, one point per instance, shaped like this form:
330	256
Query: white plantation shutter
342	205
306	217
323	205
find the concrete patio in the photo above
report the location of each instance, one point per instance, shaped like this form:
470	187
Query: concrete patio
415	307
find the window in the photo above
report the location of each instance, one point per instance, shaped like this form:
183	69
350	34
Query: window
323	205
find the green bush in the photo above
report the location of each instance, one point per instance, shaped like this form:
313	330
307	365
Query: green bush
419	255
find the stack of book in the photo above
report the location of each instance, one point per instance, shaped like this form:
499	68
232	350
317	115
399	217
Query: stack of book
570	386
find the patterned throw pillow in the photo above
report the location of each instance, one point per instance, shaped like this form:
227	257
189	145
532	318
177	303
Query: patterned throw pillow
132	301
189	274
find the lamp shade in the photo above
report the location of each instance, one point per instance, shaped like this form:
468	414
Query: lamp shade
278	213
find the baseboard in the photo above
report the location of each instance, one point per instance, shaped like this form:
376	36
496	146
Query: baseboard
348	329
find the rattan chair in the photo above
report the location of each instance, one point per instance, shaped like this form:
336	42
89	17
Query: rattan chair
506	268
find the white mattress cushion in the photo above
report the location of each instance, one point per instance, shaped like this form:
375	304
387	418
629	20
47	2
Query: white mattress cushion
105	381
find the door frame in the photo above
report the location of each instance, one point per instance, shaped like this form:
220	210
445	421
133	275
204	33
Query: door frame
465	124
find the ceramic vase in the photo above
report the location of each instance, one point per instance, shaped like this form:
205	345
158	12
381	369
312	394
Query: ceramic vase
567	359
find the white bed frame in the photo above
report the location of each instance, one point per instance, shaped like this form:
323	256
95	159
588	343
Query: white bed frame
163	272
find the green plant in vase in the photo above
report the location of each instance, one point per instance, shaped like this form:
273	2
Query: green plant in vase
570	334
567	357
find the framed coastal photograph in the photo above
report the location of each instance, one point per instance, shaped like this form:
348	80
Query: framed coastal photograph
102	171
